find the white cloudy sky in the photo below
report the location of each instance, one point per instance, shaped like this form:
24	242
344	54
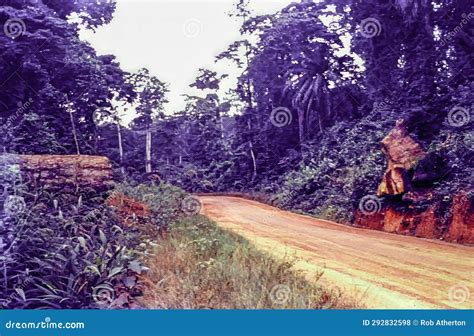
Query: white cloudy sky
174	38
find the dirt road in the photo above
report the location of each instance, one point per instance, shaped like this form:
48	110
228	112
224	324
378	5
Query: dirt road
380	269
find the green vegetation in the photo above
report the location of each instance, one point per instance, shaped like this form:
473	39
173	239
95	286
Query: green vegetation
79	250
199	265
66	251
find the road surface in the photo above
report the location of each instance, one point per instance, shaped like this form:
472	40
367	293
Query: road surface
378	269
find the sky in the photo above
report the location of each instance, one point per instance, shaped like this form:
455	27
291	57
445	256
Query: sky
174	38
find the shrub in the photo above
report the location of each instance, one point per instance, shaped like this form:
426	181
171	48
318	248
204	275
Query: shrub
164	200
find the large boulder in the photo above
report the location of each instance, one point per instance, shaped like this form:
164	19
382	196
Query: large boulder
419	210
402	152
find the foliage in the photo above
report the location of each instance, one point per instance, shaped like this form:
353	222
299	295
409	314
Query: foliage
343	86
49	72
164	201
200	266
62	250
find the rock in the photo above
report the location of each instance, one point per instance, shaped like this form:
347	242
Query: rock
428	226
433	167
425	223
369	221
461	229
402	152
395	181
417	197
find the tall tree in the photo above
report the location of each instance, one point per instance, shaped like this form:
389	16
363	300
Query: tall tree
44	64
151	95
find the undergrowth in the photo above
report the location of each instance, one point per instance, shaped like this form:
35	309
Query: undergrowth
201	266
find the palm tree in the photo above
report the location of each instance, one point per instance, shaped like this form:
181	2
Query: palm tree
307	90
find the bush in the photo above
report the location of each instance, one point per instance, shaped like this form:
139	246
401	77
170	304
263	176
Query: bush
70	250
340	168
164	200
65	251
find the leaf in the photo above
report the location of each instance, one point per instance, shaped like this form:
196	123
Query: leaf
102	236
82	242
130	281
115	271
135	266
104	286
21	293
93	269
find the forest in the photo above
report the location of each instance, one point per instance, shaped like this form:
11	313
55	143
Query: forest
321	85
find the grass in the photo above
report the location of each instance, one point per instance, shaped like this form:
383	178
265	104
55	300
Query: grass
198	265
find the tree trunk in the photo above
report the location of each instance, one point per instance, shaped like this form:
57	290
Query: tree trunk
252	154
148	151
301	126
120	147
254	161
74	133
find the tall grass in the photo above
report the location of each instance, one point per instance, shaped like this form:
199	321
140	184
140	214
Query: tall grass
199	266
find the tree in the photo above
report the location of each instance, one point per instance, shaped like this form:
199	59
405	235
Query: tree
47	67
150	99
